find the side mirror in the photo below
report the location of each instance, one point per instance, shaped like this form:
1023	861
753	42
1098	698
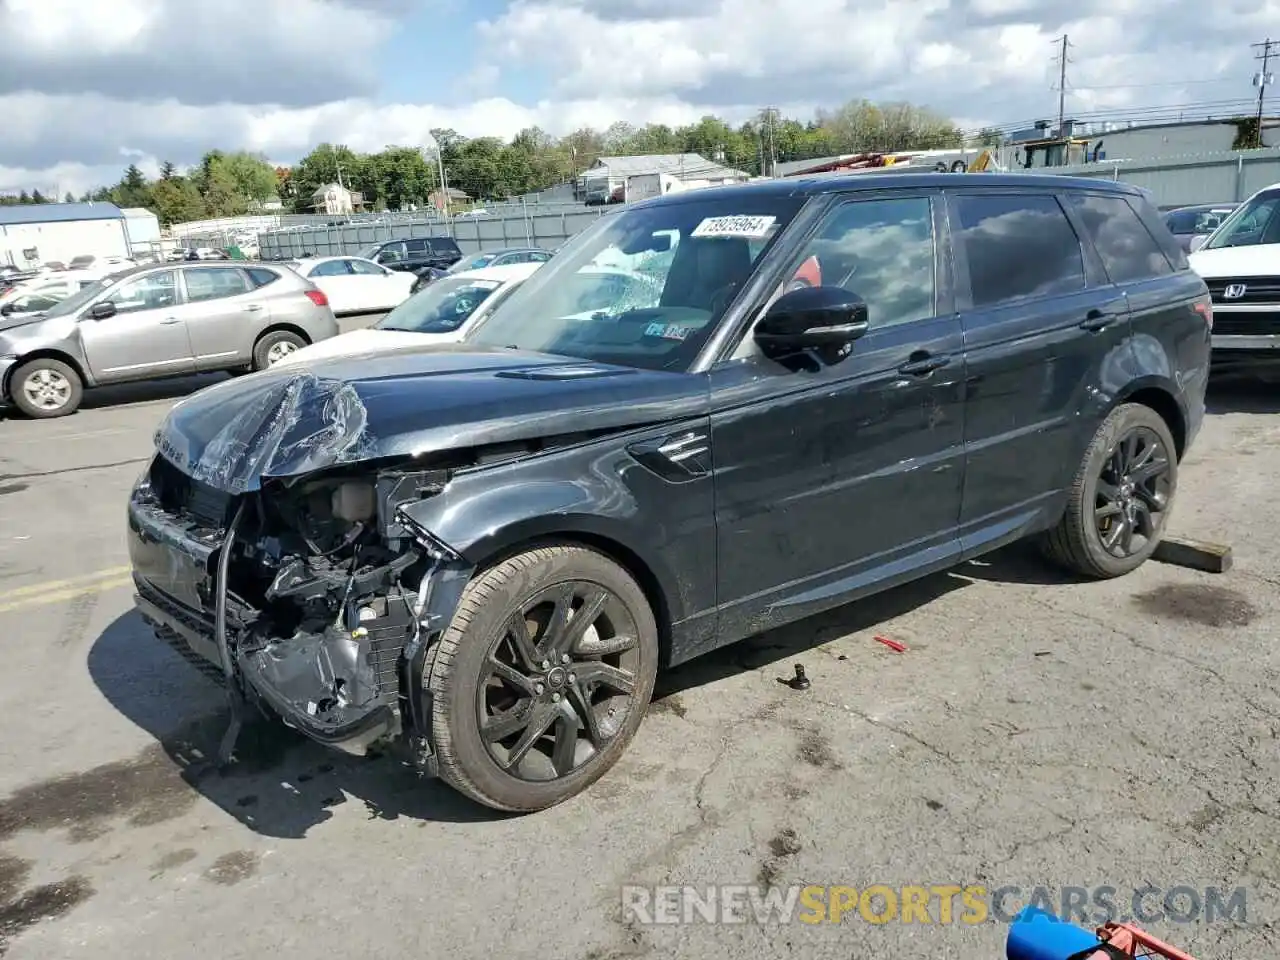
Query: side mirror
102	310
6	310
827	319
1198	241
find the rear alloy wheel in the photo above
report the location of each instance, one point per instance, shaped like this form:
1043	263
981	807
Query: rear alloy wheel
273	347
46	388
1119	504
542	679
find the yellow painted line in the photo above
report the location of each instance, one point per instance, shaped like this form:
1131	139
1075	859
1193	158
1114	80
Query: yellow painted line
67	593
107	574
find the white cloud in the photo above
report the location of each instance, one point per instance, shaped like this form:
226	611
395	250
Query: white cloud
95	84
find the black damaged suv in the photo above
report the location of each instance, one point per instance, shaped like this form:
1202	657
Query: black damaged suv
710	414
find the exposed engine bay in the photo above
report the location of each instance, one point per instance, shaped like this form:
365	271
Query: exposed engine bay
320	593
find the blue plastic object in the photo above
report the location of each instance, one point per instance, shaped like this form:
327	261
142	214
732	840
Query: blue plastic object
1036	934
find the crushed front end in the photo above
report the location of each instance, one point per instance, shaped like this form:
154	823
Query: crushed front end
315	600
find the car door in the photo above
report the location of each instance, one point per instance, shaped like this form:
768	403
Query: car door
841	478
145	337
418	254
1039	318
376	287
224	312
335	278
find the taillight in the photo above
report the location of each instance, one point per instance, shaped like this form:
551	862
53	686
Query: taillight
1205	309
318	298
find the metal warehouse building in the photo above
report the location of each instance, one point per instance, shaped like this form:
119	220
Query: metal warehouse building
32	234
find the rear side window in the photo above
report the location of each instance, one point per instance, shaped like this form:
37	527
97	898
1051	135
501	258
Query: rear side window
1128	250
445	245
1017	246
417	246
260	277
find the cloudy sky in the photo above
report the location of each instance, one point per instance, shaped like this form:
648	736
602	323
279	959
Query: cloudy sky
88	86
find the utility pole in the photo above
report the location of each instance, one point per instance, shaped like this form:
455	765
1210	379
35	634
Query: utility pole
769	157
1063	60
1261	79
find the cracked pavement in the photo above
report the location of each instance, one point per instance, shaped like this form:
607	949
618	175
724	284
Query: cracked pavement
1035	732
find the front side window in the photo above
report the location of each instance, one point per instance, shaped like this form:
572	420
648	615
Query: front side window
1018	246
882	250
616	294
155	291
214	284
1127	249
1255	222
442	307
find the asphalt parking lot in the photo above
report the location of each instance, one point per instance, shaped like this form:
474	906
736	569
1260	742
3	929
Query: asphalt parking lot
1034	732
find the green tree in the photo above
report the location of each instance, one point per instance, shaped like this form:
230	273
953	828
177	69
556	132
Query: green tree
254	178
69	198
38	197
177	200
24	197
167	171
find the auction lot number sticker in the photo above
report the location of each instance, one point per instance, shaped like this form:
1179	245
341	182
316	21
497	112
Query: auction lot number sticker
752	228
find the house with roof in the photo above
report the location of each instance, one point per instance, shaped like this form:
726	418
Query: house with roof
608	174
334	200
36	233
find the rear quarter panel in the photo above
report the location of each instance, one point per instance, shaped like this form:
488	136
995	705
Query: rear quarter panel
1171	342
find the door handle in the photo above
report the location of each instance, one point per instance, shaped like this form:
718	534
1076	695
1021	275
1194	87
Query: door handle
253	308
923	364
1097	320
169	321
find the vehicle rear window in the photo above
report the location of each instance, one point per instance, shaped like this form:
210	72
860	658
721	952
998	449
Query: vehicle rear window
260	277
1182	222
1018	246
1126	246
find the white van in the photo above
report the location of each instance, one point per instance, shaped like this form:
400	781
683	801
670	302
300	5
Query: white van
1240	263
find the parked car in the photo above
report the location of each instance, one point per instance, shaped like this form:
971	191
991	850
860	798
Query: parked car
158	322
414	254
356	285
483	552
443	313
1240	262
40	294
1189	223
489	258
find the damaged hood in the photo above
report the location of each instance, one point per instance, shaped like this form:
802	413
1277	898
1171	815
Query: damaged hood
292	421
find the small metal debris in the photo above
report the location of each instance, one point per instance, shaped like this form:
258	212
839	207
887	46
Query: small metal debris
892	644
1043	653
799	681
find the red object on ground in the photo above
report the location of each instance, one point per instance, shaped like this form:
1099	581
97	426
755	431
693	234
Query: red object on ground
1132	942
892	644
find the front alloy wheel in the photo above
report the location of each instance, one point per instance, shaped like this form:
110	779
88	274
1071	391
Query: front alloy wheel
542	678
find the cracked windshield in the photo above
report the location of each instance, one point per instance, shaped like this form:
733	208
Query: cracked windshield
643	288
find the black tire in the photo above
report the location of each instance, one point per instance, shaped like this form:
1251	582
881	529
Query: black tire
71	389
262	350
460	662
1077	543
